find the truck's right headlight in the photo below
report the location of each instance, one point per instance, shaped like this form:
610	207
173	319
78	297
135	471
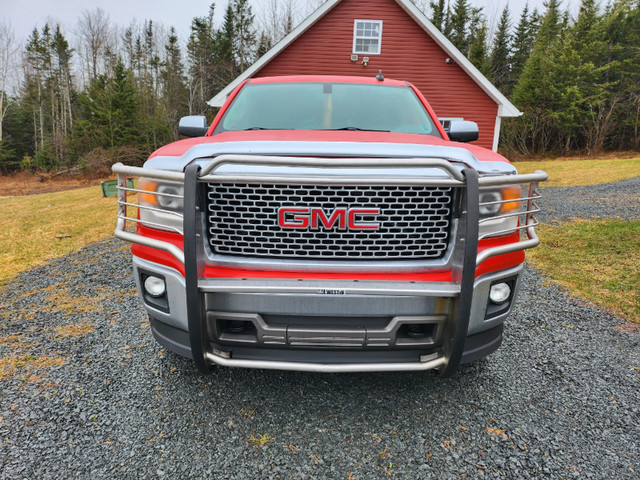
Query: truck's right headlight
499	210
161	204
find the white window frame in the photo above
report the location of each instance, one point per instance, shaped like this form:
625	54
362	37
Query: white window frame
356	37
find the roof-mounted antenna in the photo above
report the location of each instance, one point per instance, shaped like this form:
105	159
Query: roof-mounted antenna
379	77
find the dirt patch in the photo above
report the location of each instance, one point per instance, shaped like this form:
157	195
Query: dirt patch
25	183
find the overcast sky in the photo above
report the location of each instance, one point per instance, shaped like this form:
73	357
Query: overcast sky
24	15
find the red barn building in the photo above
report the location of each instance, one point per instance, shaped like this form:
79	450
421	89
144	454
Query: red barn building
355	37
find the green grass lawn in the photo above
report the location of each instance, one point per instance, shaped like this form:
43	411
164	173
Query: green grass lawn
596	260
30	225
569	173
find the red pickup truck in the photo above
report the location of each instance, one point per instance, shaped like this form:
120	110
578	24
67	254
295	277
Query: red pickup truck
328	224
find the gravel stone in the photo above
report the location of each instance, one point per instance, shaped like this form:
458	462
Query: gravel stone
609	200
559	399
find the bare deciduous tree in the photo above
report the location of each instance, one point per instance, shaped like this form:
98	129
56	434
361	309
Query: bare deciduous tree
279	18
423	5
314	5
94	36
8	54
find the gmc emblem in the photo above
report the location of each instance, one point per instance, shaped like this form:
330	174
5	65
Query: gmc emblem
314	218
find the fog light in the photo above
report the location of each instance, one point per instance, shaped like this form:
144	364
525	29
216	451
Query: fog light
499	293
154	286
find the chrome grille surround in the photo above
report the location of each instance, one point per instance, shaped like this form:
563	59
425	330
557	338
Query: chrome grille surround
415	222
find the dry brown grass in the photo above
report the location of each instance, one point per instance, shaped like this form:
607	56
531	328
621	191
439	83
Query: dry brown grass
20	360
10	340
77	330
55	299
20	353
27	366
26	183
59	299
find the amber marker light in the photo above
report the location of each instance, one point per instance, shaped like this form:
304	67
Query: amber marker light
510	193
150	188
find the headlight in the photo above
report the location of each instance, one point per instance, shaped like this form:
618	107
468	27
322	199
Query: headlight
489	205
499	208
161	204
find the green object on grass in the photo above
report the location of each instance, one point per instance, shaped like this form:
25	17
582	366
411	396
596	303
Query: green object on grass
109	187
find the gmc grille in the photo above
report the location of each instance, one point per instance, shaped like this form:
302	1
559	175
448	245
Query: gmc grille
414	222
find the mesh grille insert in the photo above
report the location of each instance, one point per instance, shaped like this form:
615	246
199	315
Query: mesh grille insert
414	221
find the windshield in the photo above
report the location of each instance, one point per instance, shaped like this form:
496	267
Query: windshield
327	106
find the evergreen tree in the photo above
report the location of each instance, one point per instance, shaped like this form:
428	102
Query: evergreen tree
447	21
500	61
438	13
458	25
224	42
535	20
111	114
201	59
61	93
611	44
174	91
37	64
476	22
478	54
522	46
622	29
577	83
16	147
47	94
227	68
244	38
264	45
532	93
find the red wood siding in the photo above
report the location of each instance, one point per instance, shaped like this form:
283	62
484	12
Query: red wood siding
408	53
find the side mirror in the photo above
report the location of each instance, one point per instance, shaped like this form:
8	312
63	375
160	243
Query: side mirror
193	126
463	131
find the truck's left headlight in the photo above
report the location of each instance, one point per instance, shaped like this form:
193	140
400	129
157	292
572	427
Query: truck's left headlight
161	204
499	210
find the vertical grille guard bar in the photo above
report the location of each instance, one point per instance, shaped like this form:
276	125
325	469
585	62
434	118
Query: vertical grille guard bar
468	242
193	269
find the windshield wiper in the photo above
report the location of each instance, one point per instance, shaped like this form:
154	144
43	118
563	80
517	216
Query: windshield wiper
261	128
357	129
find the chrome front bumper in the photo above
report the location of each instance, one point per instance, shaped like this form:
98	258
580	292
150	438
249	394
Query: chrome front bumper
362	318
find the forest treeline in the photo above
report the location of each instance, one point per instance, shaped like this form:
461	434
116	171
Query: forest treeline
117	94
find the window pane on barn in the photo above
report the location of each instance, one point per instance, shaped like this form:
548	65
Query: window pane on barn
367	36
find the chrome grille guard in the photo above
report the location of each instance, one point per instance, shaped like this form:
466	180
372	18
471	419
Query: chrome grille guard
451	176
465	256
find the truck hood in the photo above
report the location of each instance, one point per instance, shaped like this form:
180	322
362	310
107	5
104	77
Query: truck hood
340	144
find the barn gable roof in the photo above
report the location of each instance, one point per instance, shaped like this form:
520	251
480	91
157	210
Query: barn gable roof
505	107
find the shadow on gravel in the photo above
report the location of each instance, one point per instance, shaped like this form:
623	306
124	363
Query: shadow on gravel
558	400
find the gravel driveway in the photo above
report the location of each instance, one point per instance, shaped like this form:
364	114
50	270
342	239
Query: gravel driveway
609	200
87	393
